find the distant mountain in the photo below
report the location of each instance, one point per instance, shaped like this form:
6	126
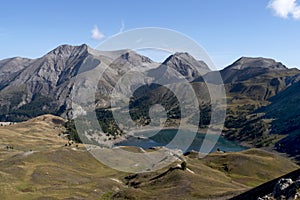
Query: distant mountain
31	87
248	68
263	111
9	69
255	63
252	83
40	85
186	65
254	78
257	78
258	89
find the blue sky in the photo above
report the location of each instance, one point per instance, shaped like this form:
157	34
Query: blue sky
226	29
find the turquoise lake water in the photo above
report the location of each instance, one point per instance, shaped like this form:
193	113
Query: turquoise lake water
164	137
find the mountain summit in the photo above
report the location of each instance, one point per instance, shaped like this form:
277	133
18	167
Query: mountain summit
186	65
247	68
31	87
247	62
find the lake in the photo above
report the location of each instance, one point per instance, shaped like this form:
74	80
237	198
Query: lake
163	137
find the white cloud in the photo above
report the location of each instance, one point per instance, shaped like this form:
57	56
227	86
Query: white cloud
285	8
96	34
296	13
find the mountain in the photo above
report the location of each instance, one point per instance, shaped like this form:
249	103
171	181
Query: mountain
257	78
284	111
251	83
9	69
262	111
186	65
32	87
40	85
246	68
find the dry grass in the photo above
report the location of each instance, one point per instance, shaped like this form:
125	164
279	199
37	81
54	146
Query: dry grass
219	175
53	171
39	166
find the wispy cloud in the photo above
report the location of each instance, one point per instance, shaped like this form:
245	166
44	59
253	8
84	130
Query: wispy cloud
122	26
285	8
96	34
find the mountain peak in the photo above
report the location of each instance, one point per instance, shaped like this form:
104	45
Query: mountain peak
133	57
186	65
247	68
184	58
127	58
183	54
256	62
179	55
67	50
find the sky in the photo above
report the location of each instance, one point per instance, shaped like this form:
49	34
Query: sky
226	29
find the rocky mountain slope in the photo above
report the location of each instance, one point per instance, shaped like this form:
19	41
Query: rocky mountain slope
186	65
284	111
250	84
261	93
30	88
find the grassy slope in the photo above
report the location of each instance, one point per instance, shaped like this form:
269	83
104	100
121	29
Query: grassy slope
217	175
52	171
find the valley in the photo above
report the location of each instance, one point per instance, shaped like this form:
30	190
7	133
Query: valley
42	155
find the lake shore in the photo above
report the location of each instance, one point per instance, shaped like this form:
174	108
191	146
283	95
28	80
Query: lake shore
137	134
192	142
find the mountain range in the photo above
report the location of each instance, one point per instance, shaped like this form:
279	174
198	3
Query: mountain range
262	109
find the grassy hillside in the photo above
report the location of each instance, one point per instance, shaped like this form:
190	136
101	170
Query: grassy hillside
36	164
217	175
40	166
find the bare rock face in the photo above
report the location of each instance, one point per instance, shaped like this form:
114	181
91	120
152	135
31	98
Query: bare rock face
31	87
45	81
284	189
186	65
45	84
10	68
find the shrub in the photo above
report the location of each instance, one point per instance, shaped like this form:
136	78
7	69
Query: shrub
183	165
71	131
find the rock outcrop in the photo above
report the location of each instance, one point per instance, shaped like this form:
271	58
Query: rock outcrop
284	189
